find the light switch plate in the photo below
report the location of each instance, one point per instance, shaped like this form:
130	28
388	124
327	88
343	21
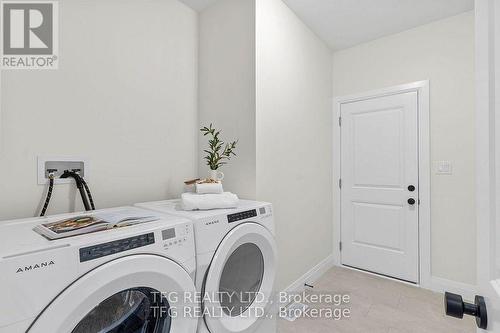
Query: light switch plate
444	168
61	164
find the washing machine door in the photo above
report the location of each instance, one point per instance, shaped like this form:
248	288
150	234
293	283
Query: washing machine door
240	280
134	294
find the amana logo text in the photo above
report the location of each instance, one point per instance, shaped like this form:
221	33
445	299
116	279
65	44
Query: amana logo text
212	222
35	266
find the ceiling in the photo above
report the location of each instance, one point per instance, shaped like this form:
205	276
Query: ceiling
345	23
198	4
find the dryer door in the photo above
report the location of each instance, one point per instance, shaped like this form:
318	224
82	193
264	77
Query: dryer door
239	282
134	294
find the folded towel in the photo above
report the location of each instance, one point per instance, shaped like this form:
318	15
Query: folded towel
209	188
193	201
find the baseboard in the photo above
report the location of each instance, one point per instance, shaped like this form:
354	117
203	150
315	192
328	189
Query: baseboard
311	276
440	285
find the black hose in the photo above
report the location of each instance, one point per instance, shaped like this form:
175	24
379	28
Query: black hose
84	198
87	189
49	195
79	185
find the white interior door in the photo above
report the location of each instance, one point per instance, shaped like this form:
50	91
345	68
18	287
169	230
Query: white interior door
379	192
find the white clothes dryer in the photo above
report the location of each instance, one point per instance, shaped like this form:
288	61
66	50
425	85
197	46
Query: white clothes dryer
236	264
119	280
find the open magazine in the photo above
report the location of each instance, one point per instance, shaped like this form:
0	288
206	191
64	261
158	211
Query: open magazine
88	223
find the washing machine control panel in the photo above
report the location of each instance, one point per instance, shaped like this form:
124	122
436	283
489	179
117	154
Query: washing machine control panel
176	236
241	216
117	246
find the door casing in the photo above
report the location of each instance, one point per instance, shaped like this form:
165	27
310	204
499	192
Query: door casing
424	218
487	29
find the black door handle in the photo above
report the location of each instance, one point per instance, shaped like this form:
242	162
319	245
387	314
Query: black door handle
411	201
456	307
411	188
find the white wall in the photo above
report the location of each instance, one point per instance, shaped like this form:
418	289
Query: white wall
442	52
294	131
265	78
227	87
124	97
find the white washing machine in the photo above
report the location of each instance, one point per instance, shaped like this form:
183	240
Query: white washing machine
236	255
119	280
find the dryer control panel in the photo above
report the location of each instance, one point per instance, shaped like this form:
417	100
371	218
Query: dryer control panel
241	216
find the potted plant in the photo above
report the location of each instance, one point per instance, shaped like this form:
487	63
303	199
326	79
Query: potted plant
218	152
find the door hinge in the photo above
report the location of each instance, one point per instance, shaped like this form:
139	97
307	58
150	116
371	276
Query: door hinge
340	182
340	121
340	246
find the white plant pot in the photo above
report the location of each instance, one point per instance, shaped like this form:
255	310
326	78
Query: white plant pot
216	175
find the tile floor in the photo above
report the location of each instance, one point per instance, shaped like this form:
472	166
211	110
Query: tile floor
378	305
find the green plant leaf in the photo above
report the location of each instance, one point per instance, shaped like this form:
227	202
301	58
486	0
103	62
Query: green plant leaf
218	152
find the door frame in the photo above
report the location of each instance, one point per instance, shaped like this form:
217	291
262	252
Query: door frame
424	216
487	27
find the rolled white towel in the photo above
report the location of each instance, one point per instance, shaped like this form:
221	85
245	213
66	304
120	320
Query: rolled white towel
193	201
209	188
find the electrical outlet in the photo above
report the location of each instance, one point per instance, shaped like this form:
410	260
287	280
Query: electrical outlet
60	164
444	168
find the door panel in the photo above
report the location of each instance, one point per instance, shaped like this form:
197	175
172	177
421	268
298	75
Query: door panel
366	233
377	163
379	139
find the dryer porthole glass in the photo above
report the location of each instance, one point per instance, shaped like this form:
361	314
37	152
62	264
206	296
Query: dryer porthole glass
241	279
137	310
